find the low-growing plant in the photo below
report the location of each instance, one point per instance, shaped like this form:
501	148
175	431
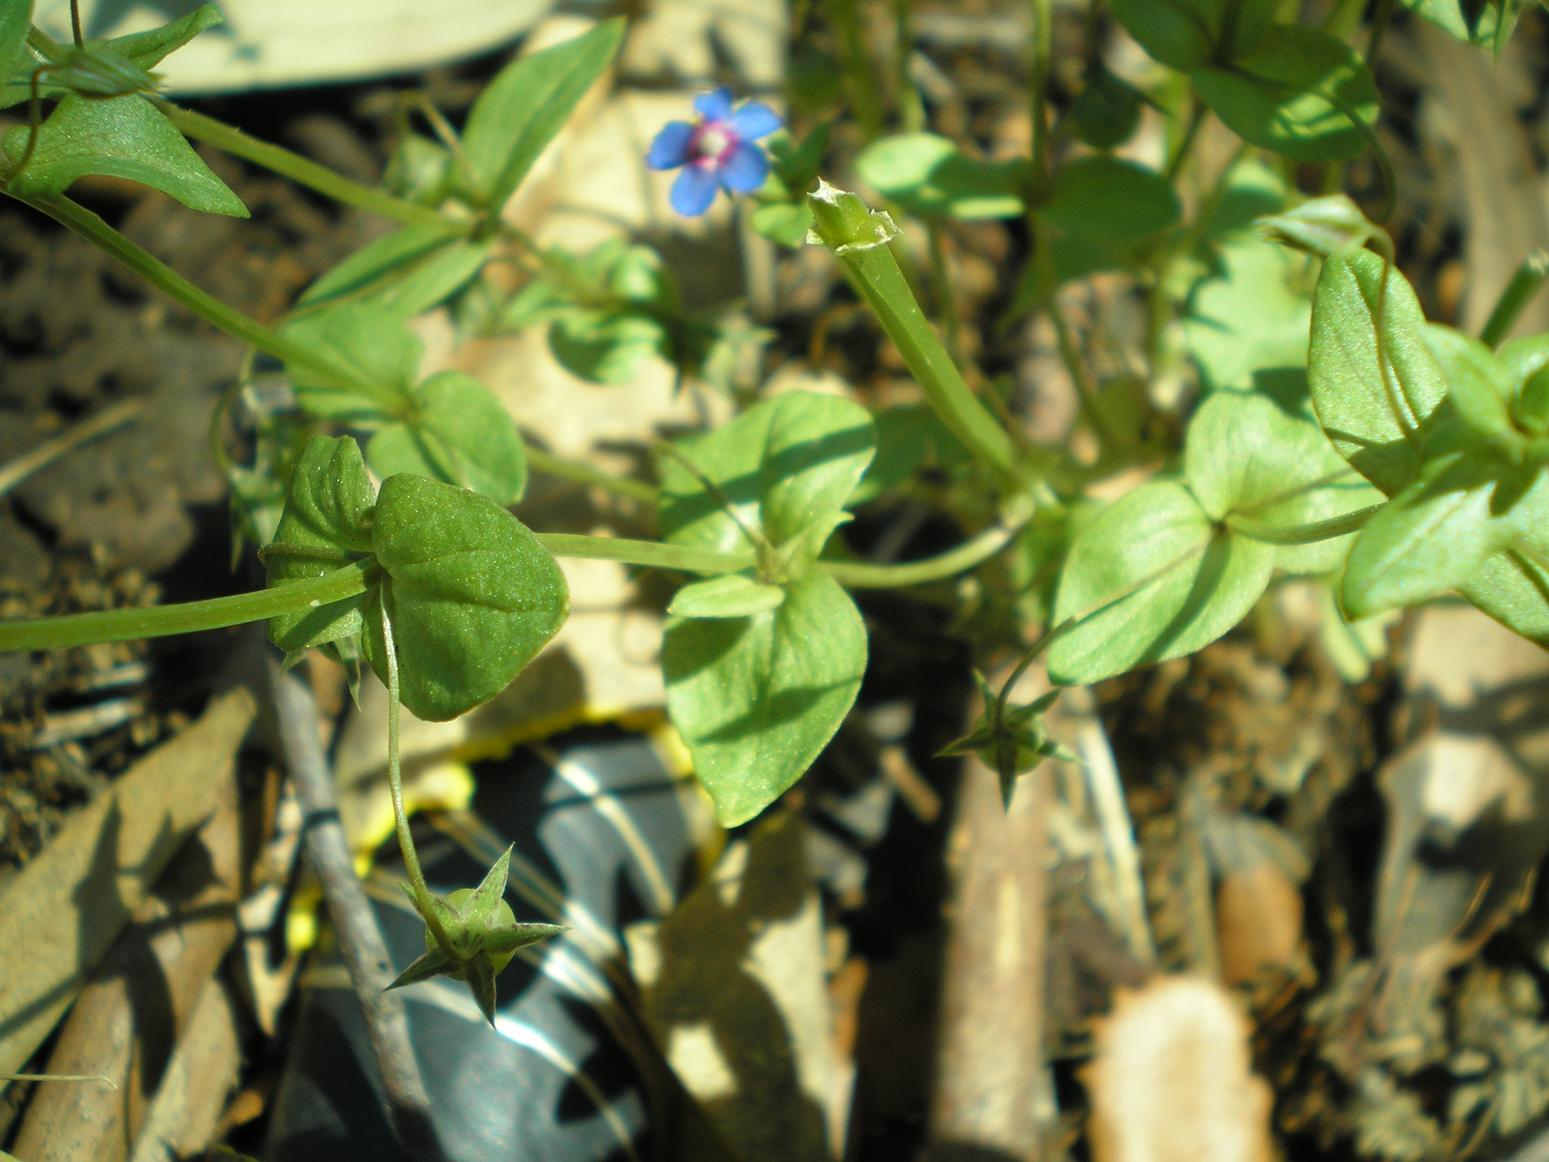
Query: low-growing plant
1393	458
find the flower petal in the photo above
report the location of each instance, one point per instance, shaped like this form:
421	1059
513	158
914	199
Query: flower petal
670	149
755	119
714	105
694	190
745	169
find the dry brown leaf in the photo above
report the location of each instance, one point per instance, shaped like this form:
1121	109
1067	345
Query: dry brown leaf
61	913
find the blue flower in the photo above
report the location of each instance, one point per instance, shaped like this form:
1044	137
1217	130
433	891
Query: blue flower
716	149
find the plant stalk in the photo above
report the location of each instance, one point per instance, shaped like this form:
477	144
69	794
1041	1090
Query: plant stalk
308	173
120	625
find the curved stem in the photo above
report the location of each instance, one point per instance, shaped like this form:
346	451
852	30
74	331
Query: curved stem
974	551
120	625
411	857
650	554
305	172
89	226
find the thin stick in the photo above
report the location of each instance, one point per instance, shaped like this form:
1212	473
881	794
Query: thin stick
47	452
360	939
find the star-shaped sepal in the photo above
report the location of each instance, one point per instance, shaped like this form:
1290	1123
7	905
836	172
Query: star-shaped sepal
481	936
1010	739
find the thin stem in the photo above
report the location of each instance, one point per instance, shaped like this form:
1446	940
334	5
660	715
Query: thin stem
864	101
411	857
1323	530
120	625
584	473
305	172
75	23
1080	374
1190	135
650	554
971	553
89	226
1038	87
47	452
1525	283
911	110
859	239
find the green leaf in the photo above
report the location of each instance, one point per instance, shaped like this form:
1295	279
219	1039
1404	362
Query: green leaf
734	595
607	346
527	103
406	272
147	49
1437	533
1477	22
1188	33
929	176
784	223
1513	588
458	433
1247	457
326	524
1301	93
1150	579
15	19
472	594
1110	199
756	699
365	338
1106	110
1478	384
1378	416
122	137
1527	369
130	57
910	439
1250	318
1322	226
785	468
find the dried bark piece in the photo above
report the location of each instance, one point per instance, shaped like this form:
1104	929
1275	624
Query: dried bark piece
1171	1080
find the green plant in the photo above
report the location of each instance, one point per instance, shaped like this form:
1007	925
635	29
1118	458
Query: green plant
1395	458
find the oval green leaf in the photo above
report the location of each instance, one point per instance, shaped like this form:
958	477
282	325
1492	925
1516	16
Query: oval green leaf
1150	579
1110	199
460	434
1301	93
472	594
122	137
325	525
757	698
1377	415
783	469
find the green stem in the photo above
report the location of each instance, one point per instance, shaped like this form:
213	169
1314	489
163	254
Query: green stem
974	551
584	473
305	172
1323	530
1041	53
411	858
1524	284
911	110
862	84
859	238
119	625
650	554
89	226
